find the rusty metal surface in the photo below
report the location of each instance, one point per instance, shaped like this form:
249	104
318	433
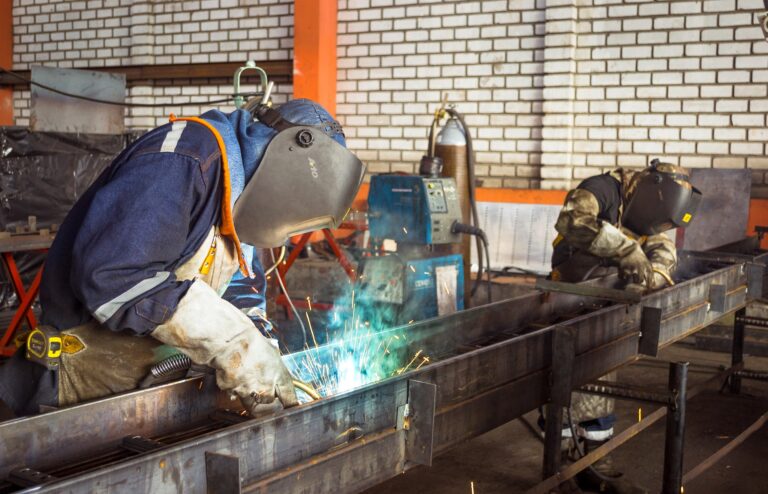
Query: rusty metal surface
142	74
496	367
55	112
22	243
91	428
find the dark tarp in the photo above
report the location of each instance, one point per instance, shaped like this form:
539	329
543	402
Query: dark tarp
43	174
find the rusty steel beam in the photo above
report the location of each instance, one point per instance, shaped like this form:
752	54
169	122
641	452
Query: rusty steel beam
143	74
494	367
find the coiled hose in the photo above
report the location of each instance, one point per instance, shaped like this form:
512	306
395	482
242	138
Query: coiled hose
180	362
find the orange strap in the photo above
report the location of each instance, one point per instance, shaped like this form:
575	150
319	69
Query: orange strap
227	227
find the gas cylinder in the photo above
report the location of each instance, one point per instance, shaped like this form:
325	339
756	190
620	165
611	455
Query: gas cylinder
451	147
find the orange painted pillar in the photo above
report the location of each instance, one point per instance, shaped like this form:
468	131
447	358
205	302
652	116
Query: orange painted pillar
314	51
6	59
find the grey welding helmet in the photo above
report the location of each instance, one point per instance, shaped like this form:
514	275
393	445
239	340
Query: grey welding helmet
305	181
660	198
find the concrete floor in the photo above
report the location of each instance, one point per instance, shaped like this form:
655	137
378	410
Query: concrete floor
508	459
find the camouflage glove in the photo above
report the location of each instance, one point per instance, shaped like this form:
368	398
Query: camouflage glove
635	267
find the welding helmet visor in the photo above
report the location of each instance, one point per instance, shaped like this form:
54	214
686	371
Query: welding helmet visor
306	181
660	201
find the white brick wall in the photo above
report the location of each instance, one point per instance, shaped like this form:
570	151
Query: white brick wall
554	90
104	33
555	94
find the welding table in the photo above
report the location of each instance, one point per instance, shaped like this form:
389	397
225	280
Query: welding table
34	242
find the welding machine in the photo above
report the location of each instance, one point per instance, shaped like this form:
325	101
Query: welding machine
413	209
418	213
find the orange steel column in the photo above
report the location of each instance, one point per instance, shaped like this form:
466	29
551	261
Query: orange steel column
314	51
6	59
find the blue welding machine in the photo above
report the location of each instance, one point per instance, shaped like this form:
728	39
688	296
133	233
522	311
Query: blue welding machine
413	209
419	288
417	212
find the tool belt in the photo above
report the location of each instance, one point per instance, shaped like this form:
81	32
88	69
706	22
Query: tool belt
91	361
45	345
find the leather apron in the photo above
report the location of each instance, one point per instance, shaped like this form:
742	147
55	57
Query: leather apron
97	362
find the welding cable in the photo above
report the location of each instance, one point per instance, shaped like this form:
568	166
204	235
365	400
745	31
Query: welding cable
290	302
277	263
483	250
664	275
488	267
118	103
312	392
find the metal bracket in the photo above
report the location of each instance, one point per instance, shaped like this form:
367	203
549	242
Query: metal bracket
650	329
28	477
222	473
418	421
561	373
717	298
755	273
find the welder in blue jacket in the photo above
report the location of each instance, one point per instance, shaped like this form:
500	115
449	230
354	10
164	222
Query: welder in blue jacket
157	256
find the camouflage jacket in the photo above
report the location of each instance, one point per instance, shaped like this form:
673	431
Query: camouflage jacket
598	201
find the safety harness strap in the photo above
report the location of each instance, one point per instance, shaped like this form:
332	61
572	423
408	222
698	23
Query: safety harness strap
227	227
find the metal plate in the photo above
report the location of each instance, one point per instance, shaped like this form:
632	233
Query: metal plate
419	437
717	297
650	327
726	195
55	112
222	473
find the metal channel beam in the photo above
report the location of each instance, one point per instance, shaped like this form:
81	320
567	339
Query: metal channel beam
89	429
355	442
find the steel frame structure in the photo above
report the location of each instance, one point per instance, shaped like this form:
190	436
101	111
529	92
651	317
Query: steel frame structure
495	363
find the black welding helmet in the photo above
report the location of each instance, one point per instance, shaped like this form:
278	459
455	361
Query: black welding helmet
658	199
305	181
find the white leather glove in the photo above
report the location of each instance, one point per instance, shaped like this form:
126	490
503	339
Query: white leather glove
213	332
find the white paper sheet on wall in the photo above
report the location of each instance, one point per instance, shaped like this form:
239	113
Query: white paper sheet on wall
519	235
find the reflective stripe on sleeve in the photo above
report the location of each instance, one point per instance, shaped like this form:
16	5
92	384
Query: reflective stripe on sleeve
172	138
108	309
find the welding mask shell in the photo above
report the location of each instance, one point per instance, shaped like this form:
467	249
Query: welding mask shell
661	198
306	181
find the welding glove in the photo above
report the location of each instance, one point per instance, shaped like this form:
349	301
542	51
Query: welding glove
636	268
212	332
613	244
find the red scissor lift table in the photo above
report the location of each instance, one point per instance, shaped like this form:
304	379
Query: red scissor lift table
10	245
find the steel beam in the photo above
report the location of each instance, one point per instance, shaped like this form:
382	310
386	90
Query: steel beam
675	433
349	442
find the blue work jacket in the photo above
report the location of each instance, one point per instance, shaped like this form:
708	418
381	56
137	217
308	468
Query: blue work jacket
149	211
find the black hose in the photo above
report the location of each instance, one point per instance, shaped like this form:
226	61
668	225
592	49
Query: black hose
488	267
174	363
477	232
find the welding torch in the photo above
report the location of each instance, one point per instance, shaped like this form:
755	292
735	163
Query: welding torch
180	362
